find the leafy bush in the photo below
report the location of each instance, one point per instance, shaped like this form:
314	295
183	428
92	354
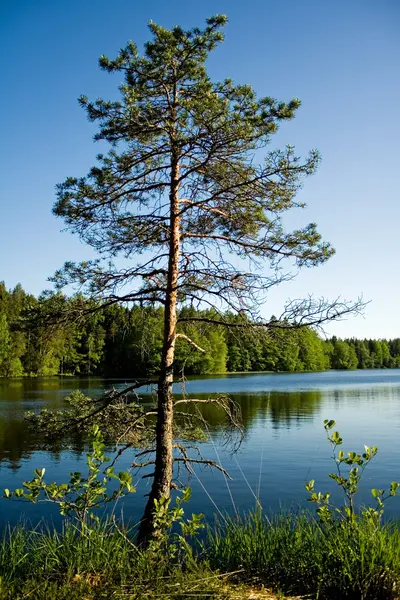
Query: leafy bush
349	482
81	495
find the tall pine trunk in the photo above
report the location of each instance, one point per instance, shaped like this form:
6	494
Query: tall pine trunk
163	470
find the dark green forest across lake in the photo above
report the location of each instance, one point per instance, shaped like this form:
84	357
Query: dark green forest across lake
126	342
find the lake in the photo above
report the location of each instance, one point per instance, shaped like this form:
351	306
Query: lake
284	444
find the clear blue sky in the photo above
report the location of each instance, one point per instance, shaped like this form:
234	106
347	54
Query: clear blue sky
340	57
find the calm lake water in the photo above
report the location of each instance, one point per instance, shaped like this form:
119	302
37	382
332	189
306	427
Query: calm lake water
284	444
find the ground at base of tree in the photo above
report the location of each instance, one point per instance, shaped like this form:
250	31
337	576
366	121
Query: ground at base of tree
254	593
225	592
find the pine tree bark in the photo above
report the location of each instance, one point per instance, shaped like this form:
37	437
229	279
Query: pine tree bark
163	471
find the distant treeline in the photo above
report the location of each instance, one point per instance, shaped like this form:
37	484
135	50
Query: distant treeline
126	342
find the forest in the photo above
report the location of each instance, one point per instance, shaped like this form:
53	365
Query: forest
122	341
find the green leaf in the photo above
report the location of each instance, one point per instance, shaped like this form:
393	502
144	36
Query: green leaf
187	493
125	477
336	438
310	485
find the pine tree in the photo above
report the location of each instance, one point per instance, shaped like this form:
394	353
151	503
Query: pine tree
188	182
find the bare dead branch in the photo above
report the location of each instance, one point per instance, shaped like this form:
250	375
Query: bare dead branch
307	312
190	341
136	465
227	404
209	463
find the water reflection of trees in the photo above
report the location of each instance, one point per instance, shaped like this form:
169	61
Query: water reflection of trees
279	408
289	407
17	441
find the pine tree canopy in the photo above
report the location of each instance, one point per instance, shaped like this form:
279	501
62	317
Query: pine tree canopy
190	166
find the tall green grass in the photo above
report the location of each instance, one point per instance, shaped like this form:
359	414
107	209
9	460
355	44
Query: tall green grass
292	553
298	555
44	564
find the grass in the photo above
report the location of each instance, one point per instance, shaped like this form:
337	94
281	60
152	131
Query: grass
297	555
45	564
240	558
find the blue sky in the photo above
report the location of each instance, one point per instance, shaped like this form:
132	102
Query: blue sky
340	58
